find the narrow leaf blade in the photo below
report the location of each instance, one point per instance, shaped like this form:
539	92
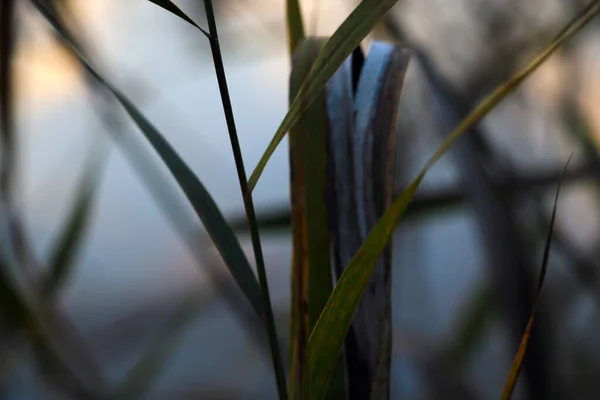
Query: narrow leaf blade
515	368
72	234
295	24
144	373
341	44
204	205
207	210
171	7
327	338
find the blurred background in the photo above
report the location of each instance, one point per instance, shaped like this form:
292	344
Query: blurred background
465	258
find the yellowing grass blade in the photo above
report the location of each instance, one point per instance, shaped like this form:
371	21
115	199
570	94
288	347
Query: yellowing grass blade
311	276
515	368
327	338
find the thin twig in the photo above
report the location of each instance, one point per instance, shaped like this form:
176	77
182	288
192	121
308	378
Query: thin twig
430	200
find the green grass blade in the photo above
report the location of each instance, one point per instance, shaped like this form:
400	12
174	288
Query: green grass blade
295	24
327	338
515	368
207	210
204	205
23	316
341	44
311	280
71	236
170	6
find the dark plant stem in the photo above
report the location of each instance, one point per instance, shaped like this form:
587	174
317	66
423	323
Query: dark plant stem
7	43
248	203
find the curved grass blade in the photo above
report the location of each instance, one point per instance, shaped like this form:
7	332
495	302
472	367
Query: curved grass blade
16	314
470	328
170	204
341	44
513	375
295	24
205	207
327	338
72	234
22	317
170	6
163	195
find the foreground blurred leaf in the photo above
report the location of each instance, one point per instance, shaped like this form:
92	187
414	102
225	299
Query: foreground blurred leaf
53	341
170	204
513	375
202	202
341	44
170	6
471	327
61	352
12	308
22	312
8	31
70	238
326	341
145	372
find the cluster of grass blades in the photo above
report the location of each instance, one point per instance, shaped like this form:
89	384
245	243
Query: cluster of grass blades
323	317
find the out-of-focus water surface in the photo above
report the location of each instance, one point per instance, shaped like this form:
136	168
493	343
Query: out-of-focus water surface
133	260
